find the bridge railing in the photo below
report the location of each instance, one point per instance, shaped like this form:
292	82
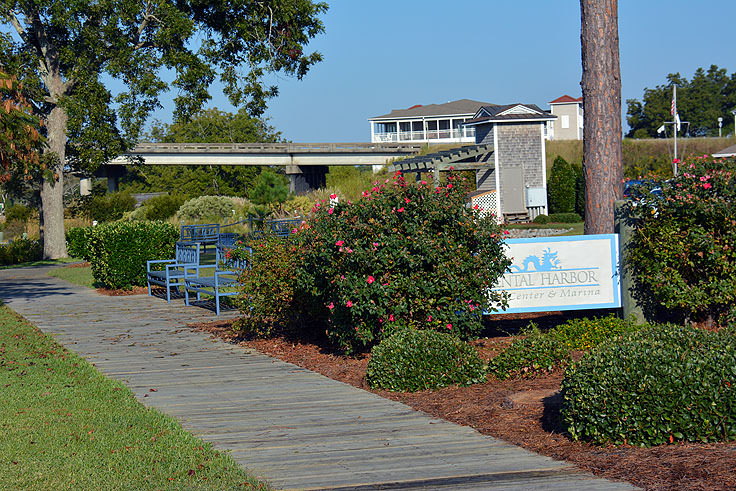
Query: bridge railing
399	148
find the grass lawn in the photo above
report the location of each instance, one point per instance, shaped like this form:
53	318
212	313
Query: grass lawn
577	228
44	262
79	276
66	426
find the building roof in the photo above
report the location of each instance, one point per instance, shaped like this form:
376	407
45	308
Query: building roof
510	112
463	106
566	99
726	152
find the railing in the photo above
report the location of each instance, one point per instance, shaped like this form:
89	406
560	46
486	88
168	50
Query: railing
455	134
278	148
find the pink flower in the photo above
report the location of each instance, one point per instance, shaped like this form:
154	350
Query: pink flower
340	243
333	196
391	318
331	306
401	210
449	326
676	161
429	319
349	304
707	185
407	200
375	244
371	279
330	211
449	186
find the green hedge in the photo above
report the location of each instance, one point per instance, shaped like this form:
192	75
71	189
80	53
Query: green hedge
565	218
411	360
20	251
77	240
118	251
659	385
533	353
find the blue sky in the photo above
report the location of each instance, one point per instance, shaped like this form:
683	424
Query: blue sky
381	55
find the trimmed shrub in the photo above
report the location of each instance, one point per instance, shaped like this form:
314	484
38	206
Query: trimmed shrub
404	254
77	241
531	354
584	334
565	218
110	207
683	255
411	360
659	385
561	187
118	251
20	251
542	219
206	208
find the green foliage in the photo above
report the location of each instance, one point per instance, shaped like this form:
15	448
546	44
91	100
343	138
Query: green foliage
118	251
561	187
404	254
269	188
206	208
565	218
683	255
350	181
159	207
584	334
18	212
13	229
77	242
701	100
530	354
411	360
20	251
541	219
662	384
267	290
109	207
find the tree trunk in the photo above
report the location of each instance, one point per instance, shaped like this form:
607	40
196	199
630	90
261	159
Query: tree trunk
52	190
601	84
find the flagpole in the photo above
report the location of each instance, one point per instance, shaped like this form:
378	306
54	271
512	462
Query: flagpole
674	115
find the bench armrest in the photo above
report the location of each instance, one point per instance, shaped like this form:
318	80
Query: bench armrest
157	261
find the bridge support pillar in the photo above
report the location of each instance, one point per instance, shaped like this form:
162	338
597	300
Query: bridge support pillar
305	178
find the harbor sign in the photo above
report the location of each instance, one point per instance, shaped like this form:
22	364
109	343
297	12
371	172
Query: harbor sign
562	273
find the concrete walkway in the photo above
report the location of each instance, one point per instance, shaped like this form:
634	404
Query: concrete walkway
285	424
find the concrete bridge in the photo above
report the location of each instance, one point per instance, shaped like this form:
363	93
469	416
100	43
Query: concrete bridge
306	164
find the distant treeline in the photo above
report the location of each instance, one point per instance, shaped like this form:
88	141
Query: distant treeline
642	156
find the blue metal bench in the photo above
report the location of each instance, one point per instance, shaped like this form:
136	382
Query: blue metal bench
172	275
281	227
228	239
222	281
204	234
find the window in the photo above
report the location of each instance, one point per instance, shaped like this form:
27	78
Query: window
565	121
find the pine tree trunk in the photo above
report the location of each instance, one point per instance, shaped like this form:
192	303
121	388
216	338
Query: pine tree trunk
601	84
52	190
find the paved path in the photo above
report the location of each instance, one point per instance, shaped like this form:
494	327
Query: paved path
285	424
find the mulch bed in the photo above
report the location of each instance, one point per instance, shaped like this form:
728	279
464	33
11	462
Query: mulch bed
523	412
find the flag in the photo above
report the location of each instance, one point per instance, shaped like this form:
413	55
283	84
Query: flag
677	120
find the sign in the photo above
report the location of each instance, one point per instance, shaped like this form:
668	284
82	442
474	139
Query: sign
562	273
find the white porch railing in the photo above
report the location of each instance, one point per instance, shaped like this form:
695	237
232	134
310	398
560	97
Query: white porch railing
468	133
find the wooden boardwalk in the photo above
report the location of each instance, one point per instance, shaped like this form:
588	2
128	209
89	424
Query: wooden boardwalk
290	426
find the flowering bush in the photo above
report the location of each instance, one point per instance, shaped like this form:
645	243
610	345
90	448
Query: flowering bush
404	254
684	251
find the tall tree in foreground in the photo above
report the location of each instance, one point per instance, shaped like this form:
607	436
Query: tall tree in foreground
601	84
75	48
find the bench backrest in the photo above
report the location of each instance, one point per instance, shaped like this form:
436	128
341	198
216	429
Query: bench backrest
228	239
284	227
206	234
187	253
226	262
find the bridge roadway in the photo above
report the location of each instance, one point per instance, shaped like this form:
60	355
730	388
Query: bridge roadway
306	163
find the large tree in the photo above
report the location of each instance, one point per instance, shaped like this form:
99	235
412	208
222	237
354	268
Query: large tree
601	84
75	49
207	126
700	101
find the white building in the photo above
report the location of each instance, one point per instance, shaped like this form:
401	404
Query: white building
569	122
434	123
